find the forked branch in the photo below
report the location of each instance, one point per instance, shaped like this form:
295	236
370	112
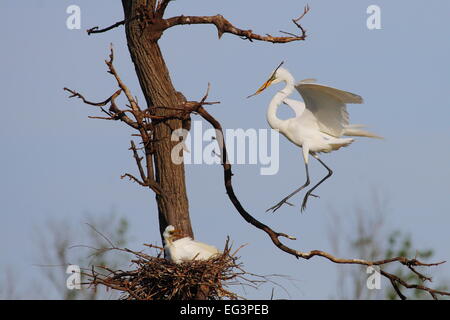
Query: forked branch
161	8
224	26
155	25
137	118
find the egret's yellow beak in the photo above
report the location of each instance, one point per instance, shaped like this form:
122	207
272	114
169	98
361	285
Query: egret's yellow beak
267	83
262	88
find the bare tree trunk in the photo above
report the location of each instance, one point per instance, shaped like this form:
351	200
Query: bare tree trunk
157	87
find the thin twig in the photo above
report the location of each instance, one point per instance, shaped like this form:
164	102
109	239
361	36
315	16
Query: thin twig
116	114
138	161
125	89
115	25
133	178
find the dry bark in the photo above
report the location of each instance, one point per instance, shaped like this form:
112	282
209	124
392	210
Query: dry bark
156	85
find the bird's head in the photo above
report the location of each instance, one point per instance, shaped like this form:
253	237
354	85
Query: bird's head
170	233
277	76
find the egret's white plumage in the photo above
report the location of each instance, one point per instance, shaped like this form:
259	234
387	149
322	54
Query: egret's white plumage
185	248
320	121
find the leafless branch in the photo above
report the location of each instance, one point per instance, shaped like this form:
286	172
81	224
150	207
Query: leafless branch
224	26
98	30
116	114
155	25
101	235
133	178
139	123
397	289
296	21
161	7
147	181
274	236
97	104
115	25
138	161
123	87
154	246
394	279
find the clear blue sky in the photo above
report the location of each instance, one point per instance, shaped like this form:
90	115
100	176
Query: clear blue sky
57	163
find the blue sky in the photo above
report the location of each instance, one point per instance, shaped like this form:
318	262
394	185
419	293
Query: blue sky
57	163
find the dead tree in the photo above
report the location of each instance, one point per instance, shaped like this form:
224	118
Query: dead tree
167	110
144	25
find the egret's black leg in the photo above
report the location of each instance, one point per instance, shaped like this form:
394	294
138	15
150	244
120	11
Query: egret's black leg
308	193
279	204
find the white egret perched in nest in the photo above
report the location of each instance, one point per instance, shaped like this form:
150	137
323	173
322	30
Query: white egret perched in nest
180	248
319	124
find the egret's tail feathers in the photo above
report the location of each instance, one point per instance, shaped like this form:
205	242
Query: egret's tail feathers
355	130
338	143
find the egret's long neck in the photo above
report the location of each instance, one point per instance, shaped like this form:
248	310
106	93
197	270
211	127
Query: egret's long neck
167	240
274	121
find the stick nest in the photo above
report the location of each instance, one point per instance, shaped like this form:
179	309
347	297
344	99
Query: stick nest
155	278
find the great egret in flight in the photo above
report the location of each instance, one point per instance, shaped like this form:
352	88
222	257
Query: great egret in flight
319	124
179	248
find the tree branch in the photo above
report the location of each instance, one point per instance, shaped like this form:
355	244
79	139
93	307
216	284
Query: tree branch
115	25
394	279
138	161
133	178
147	181
274	236
145	128
157	25
161	8
114	114
122	86
224	26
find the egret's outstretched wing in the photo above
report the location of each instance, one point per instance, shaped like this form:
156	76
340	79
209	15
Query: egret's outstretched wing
309	80
328	105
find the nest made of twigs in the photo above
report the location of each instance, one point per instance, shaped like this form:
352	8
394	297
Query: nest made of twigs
155	278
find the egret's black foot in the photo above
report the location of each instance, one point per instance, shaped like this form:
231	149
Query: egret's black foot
305	200
278	205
